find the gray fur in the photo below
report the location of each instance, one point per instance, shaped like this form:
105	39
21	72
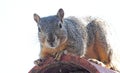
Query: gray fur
94	27
76	36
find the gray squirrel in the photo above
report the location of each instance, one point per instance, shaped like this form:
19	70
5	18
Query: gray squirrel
58	34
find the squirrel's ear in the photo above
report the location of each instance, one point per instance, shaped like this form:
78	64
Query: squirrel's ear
36	17
60	14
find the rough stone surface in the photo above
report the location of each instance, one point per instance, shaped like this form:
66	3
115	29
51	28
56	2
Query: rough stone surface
69	64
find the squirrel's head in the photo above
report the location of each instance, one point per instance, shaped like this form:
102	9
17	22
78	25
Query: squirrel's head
51	30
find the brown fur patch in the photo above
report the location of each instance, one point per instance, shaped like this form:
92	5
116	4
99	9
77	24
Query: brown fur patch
45	52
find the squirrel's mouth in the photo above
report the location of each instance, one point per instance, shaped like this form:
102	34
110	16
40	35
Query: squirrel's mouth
52	44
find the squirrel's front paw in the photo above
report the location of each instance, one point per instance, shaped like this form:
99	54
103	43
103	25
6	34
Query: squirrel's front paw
39	62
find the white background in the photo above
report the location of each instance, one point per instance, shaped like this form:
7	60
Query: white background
19	45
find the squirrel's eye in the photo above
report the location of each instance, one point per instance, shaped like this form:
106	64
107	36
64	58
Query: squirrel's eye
39	29
60	25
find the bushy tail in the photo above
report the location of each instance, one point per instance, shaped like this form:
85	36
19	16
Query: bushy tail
98	47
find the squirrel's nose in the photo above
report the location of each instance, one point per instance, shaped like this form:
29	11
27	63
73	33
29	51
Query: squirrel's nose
51	39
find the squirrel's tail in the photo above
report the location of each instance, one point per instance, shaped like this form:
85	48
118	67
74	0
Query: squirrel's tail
97	41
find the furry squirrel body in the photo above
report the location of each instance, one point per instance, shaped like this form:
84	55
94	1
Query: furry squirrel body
58	34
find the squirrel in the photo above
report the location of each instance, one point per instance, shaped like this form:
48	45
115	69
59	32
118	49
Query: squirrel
58	34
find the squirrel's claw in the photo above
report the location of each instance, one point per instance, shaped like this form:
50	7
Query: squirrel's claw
38	62
97	62
59	54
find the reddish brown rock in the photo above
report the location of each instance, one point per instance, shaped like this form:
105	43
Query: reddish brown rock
69	64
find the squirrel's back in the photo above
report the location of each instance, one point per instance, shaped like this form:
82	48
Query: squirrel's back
76	35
